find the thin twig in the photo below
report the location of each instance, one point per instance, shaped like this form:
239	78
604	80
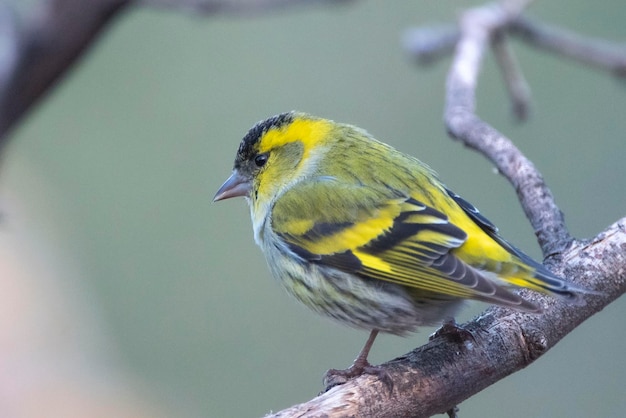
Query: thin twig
431	43
514	80
596	52
435	42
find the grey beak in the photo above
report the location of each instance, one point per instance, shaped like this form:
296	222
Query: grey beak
236	185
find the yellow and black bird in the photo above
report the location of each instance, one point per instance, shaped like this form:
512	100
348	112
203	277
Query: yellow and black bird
369	236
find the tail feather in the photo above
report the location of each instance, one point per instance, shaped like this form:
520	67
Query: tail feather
542	279
549	283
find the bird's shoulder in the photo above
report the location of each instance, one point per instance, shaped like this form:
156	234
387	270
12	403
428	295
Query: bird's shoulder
327	200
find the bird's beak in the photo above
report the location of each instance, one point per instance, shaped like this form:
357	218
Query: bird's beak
236	185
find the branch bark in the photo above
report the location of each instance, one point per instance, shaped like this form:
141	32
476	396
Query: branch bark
432	379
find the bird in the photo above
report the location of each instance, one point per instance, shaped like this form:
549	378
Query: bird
369	236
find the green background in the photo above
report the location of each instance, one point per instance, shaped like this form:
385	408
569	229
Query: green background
116	170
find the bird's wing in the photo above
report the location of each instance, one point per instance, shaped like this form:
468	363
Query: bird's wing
542	279
382	234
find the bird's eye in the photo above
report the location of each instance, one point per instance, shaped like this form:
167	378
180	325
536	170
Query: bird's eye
260	160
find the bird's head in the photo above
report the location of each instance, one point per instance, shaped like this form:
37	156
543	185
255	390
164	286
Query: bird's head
274	154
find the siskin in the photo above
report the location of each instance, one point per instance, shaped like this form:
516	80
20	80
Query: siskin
369	236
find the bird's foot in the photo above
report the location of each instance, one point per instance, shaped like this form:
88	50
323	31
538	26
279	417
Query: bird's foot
336	377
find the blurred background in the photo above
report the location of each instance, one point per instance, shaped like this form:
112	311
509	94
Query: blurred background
125	292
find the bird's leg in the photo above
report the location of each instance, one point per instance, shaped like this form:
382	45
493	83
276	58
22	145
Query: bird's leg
334	377
360	362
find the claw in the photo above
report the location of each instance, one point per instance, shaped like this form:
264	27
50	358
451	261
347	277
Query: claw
334	377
